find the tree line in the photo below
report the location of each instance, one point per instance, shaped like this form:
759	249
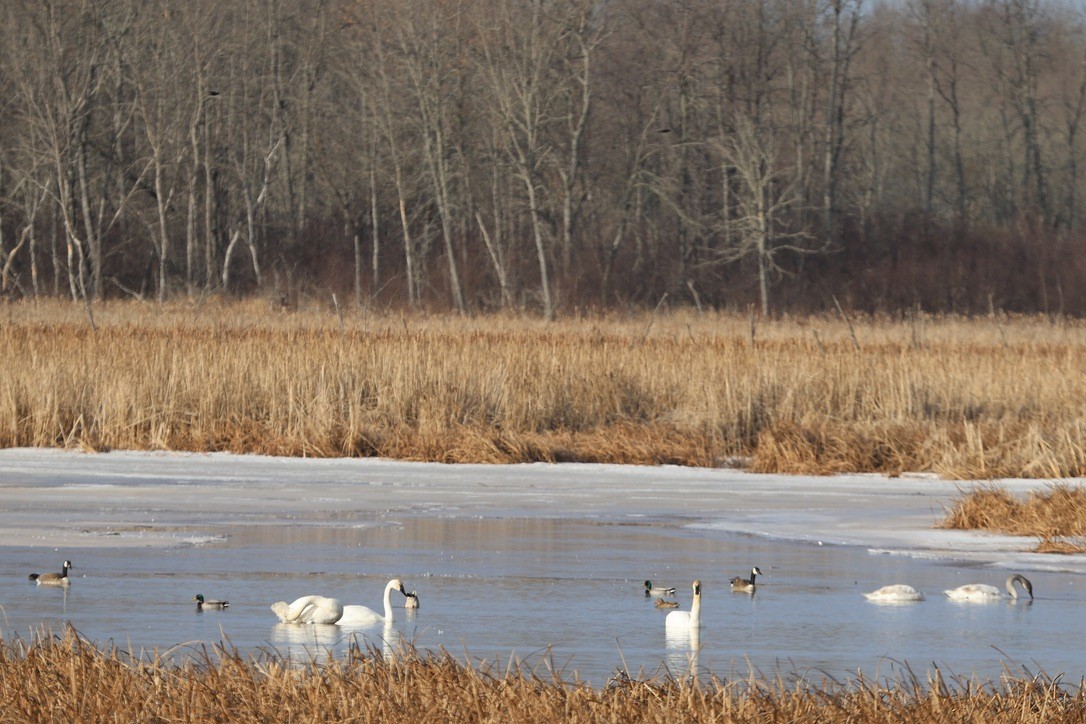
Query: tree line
547	155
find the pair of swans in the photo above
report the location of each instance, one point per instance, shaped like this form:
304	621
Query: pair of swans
970	592
324	610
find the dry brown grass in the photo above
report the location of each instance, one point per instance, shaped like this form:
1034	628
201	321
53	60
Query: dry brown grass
68	679
1056	515
966	399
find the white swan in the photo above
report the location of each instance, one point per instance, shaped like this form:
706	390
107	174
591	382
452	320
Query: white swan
746	585
898	592
309	609
984	592
686	619
363	616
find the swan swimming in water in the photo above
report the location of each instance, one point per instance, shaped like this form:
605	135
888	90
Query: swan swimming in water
686	619
53	579
896	592
309	609
363	616
984	592
651	590
746	585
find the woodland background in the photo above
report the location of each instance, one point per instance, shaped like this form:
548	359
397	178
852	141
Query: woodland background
547	155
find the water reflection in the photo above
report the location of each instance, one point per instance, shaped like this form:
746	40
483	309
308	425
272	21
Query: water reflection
683	647
303	642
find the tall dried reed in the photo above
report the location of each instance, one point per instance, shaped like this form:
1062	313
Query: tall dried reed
964	398
68	679
1056	515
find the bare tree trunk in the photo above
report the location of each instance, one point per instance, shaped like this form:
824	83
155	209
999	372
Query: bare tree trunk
843	46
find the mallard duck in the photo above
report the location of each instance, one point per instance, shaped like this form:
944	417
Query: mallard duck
363	616
746	585
985	592
687	619
412	601
651	590
53	579
211	603
662	603
895	593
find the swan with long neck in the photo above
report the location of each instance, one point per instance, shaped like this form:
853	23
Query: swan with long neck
746	585
687	619
309	609
985	592
363	616
53	579
895	593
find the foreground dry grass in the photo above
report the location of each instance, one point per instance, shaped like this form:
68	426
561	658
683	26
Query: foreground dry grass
966	399
70	680
1057	515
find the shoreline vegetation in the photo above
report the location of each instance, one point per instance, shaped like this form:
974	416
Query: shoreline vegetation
968	399
964	398
65	678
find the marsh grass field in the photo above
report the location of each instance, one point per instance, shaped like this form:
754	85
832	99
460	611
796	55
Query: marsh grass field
963	398
68	679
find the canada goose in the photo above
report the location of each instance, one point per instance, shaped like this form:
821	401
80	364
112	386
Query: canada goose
651	590
661	603
210	603
53	579
984	592
687	619
898	592
309	609
412	601
746	585
363	616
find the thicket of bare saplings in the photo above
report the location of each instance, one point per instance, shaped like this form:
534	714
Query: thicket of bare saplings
69	679
547	155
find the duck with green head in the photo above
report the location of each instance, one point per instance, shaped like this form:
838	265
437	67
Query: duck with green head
209	603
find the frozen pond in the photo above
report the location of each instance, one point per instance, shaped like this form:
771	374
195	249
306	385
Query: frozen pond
544	563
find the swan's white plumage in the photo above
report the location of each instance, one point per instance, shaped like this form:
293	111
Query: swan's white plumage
984	592
895	592
309	609
365	616
686	619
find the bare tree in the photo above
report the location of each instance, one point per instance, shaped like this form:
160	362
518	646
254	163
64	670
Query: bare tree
765	196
